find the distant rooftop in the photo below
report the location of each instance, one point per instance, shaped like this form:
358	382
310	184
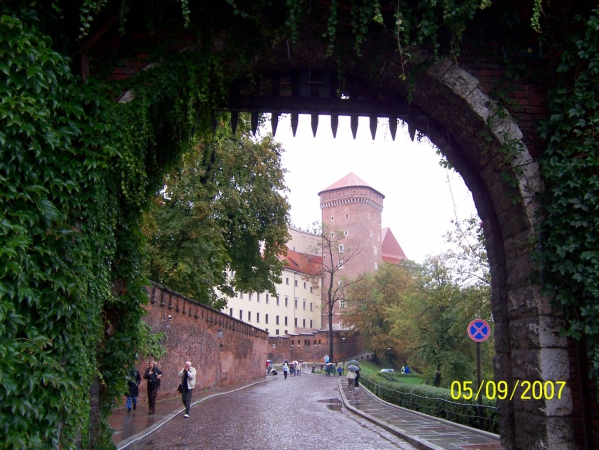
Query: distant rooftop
350	180
392	251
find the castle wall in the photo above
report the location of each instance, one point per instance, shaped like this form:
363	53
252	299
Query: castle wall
191	334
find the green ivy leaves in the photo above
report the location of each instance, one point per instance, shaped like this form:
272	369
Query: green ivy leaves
570	227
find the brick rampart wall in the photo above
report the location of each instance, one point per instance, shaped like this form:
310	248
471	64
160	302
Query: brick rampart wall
191	334
312	347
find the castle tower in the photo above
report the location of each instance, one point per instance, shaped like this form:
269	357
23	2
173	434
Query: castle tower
351	206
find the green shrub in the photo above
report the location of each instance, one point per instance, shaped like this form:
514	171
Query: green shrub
435	402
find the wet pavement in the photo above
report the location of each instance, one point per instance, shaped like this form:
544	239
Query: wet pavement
307	411
300	412
421	430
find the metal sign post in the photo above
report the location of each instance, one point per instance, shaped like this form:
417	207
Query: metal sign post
479	331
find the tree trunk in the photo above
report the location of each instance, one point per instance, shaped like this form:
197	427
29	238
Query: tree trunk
331	355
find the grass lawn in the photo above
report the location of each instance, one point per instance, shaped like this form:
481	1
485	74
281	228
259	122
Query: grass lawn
370	369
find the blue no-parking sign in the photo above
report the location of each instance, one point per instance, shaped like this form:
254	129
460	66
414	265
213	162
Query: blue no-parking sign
479	330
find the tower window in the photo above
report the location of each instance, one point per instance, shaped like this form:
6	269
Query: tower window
341	264
341	248
332	218
347	216
371	234
346	232
375	251
376	266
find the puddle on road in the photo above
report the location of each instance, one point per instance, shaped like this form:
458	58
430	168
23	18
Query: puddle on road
334	404
330	400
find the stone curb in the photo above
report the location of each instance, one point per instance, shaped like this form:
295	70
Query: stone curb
439	419
139	436
420	444
416	442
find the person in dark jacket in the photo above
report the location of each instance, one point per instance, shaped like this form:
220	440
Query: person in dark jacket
153	374
133	380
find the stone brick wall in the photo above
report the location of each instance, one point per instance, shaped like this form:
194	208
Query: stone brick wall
191	334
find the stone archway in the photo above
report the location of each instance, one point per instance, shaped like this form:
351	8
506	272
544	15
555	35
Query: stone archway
485	145
496	159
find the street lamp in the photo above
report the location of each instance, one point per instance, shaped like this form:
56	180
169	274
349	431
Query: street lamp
389	351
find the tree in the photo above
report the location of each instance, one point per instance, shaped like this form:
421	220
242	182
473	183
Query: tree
336	251
368	302
220	220
450	290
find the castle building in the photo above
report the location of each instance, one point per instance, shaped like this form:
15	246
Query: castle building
351	213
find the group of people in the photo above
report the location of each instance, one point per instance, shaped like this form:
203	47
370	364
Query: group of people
153	376
295	368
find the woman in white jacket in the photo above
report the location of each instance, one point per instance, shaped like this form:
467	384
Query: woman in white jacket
188	382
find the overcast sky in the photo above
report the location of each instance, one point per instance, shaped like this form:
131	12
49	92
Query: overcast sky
418	204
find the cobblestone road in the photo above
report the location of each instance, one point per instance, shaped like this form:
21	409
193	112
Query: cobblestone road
300	412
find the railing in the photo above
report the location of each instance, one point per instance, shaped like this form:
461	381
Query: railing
482	417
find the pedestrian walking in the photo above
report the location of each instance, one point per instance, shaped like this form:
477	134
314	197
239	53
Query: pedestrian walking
298	369
351	381
188	382
285	369
133	382
153	374
357	380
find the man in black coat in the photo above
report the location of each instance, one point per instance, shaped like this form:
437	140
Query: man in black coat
133	381
153	374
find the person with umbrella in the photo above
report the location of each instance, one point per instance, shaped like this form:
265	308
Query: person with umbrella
351	378
353	373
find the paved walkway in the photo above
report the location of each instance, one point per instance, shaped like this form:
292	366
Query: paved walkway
276	412
131	427
420	430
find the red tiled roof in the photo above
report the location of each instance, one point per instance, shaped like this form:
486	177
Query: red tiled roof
349	180
301	262
392	251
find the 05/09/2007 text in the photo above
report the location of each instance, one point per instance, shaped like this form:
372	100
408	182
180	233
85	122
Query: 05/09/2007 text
529	390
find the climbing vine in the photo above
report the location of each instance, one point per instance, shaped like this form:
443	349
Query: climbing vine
570	167
77	168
